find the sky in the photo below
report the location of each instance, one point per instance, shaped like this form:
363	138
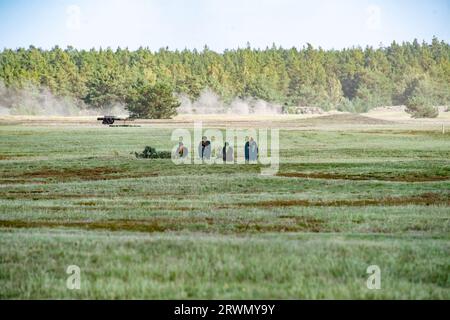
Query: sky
220	24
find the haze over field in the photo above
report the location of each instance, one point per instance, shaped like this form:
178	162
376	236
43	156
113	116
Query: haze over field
32	100
38	100
210	103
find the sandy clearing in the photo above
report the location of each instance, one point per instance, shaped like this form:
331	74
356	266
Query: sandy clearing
329	121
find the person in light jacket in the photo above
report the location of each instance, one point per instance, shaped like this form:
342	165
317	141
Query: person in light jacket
253	150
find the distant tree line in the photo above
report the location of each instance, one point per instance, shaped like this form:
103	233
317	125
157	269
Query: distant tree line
356	79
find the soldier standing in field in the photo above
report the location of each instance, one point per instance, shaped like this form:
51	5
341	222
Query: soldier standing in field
204	148
253	150
247	150
227	153
182	151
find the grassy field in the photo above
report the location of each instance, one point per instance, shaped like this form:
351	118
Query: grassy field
346	197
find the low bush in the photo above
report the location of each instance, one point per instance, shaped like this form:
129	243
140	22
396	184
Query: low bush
151	153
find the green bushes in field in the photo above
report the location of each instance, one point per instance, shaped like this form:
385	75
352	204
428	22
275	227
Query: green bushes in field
151	153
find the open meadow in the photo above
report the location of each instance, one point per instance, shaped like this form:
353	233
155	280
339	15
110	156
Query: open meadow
351	192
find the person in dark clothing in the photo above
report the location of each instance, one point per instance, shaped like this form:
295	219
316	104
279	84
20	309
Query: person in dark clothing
227	153
247	149
224	152
204	148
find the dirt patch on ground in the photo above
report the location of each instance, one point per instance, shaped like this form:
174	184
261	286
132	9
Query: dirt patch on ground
105	206
423	199
70	174
163	224
18	181
339	176
41	195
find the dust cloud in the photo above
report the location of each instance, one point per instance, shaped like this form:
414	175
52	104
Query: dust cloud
210	103
39	101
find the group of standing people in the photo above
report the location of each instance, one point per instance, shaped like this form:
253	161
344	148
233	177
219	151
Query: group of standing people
208	150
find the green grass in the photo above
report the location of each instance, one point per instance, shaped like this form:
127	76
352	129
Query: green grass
140	228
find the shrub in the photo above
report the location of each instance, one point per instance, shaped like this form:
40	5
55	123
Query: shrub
419	98
421	107
151	153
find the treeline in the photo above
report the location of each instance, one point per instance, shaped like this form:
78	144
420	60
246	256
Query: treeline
413	74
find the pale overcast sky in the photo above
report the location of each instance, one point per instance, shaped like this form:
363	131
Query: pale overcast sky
220	24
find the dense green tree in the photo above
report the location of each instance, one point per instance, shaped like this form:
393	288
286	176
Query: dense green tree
420	98
104	89
151	101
